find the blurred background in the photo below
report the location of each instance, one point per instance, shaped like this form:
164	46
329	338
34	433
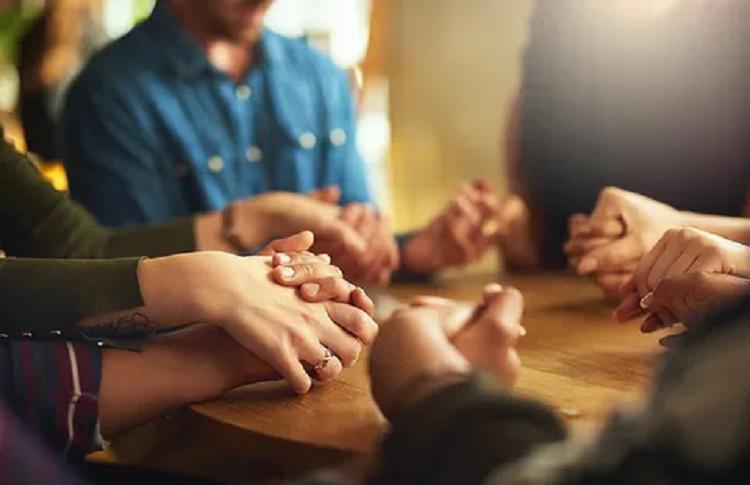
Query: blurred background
433	78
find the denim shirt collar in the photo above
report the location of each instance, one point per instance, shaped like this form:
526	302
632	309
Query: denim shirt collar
186	57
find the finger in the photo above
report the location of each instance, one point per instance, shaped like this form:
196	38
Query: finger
459	229
362	301
301	241
616	256
350	213
672	251
428	300
580	246
611	227
292	371
652	323
297	274
578	225
630	286
354	321
685	262
298	258
322	365
644	267
324	289
610	283
629	309
483	184
505	308
330	194
467	209
344	236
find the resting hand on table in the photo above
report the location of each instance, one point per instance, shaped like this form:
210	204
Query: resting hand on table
662	278
623	227
461	233
685	299
254	299
431	338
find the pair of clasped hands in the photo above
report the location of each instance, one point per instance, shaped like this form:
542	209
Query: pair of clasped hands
641	252
290	314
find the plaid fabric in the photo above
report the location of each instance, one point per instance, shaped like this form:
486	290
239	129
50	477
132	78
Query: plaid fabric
53	387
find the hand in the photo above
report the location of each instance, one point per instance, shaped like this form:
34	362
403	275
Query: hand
437	336
622	229
460	234
240	295
684	251
685	298
278	214
377	263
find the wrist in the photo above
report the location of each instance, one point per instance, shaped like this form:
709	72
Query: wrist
417	256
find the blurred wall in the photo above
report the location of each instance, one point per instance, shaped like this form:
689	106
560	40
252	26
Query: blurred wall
453	67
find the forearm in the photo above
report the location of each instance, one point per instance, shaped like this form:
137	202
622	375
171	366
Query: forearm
734	228
173	370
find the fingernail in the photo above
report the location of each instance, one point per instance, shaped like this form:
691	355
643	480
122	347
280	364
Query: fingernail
522	330
647	300
311	288
282	258
286	272
587	265
493	288
325	258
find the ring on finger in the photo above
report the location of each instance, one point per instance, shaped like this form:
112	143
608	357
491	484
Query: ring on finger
324	361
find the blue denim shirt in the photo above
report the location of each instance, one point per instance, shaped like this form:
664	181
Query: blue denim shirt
152	131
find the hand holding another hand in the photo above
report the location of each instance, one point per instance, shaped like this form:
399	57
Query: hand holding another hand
295	337
434	337
461	233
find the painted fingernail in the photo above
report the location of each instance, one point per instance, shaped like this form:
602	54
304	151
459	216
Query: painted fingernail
311	288
286	272
647	300
587	265
282	258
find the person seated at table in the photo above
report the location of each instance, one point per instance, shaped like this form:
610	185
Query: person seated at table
624	226
643	95
199	107
85	305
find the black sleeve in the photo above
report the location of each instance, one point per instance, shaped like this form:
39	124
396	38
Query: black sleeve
463	432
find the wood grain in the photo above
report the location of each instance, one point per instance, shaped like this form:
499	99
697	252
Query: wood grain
576	359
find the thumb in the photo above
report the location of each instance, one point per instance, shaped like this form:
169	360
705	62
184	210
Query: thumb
504	306
607	218
330	194
302	241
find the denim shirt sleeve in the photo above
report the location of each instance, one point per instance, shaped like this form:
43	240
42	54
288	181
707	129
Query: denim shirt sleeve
111	160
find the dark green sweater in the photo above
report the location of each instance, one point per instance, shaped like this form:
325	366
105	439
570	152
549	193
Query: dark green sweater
37	222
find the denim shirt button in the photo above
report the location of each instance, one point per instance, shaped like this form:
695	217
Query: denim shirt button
307	140
337	136
243	92
216	164
254	154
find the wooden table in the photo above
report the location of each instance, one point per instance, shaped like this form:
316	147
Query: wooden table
576	358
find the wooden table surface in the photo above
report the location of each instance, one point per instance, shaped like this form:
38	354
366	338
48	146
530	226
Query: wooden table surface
575	358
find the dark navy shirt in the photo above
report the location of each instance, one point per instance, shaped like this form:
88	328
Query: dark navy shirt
153	131
657	103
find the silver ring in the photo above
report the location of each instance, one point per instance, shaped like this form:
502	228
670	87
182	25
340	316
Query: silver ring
324	361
